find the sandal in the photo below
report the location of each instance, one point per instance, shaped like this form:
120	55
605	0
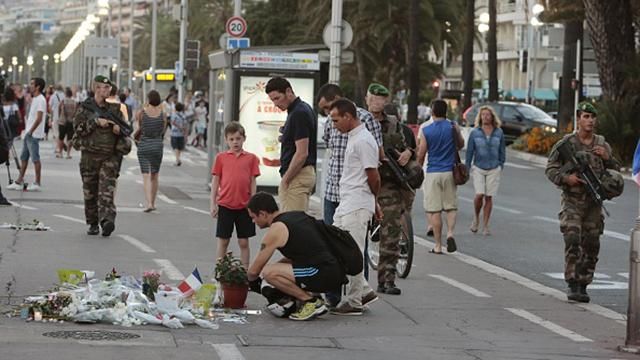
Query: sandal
433	251
474	226
148	210
486	232
430	232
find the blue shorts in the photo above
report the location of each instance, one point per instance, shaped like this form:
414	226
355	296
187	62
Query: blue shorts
30	148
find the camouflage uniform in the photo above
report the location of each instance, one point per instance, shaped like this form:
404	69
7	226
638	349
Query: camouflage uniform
394	201
581	219
99	162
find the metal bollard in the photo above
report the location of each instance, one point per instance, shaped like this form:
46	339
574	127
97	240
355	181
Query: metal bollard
632	342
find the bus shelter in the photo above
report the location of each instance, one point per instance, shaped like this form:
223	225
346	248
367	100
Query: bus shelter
237	84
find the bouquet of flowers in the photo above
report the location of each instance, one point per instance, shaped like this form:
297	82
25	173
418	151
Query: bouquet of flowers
150	283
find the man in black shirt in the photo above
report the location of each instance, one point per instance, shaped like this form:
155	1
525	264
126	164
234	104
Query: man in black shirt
299	146
307	267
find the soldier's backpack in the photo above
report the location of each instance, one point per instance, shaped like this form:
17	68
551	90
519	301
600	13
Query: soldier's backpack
343	247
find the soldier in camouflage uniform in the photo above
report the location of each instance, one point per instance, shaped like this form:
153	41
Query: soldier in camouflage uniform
581	219
100	141
393	198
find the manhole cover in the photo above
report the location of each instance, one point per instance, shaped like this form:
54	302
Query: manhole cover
97	335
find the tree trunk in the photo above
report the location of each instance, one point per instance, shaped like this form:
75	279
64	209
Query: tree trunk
361	84
414	74
493	52
467	55
572	32
611	30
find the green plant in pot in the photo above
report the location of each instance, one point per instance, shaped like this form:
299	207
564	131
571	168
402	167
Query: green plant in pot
233	277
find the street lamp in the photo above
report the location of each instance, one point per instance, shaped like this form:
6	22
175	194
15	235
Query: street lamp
56	60
483	27
534	23
14	62
29	64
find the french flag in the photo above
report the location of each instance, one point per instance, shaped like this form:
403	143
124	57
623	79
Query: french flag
636	165
192	283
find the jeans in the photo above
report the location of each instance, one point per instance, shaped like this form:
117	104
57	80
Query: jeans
356	223
329	210
31	148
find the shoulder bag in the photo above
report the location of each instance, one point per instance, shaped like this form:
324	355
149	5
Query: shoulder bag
460	171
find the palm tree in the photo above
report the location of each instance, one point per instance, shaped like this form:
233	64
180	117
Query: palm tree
414	74
493	52
467	54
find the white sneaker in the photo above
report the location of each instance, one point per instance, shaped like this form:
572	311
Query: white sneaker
33	187
14	186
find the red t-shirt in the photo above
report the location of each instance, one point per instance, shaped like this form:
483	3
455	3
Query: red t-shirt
234	178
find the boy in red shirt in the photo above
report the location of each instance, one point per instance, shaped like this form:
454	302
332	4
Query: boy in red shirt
234	182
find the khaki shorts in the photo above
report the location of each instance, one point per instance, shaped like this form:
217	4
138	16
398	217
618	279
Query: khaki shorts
486	182
296	195
440	192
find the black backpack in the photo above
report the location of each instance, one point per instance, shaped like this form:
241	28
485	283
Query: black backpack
13	122
5	142
343	247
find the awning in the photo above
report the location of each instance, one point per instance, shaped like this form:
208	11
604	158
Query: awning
539	94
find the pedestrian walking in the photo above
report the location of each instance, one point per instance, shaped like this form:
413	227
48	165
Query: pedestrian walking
359	186
441	140
201	124
298	152
234	182
152	122
336	143
13	117
54	109
5	145
179	130
48	94
308	266
394	199
581	219
425	192
67	110
34	132
102	146
485	158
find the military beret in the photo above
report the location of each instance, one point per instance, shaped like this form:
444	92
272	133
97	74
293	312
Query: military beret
377	89
587	107
102	79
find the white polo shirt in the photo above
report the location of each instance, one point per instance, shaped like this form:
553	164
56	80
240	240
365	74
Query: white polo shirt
361	154
38	103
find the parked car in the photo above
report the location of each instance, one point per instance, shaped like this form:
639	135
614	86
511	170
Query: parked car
517	118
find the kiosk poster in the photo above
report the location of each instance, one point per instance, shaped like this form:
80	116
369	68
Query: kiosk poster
262	122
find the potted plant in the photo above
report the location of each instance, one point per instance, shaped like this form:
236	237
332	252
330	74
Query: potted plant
233	277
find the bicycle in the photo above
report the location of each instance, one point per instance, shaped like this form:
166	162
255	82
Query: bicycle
372	243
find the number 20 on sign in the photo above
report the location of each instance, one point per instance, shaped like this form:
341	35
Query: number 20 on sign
236	26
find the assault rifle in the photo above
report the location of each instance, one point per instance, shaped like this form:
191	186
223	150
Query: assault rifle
585	172
398	171
125	128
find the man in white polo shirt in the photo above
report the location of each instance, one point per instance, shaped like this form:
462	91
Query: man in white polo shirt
34	132
359	186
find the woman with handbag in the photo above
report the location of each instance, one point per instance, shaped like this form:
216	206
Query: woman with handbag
486	151
152	123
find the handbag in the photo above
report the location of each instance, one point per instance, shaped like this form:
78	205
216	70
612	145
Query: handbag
460	171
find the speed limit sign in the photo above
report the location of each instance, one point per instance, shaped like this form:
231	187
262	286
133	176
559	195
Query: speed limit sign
236	26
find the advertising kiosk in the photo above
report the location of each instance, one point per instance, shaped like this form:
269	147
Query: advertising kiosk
237	82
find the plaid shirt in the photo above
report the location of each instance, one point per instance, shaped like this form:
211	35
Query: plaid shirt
337	143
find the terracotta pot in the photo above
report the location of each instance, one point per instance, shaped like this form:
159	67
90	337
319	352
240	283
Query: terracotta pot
234	295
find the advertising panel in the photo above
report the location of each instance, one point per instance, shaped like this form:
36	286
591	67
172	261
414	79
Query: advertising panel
262	122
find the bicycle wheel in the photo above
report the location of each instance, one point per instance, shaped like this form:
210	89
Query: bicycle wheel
373	245
406	246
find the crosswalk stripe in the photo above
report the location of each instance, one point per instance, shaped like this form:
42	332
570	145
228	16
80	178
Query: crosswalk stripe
549	325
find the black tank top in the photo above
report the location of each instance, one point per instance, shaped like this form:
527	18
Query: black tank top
305	245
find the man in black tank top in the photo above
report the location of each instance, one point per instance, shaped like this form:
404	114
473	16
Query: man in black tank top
307	266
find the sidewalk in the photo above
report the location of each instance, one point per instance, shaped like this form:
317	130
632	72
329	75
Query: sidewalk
453	306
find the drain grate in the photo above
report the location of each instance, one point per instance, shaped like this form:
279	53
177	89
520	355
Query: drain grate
95	335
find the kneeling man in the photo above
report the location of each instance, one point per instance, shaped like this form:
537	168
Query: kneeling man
307	266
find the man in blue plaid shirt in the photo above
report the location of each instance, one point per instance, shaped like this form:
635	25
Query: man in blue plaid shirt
337	144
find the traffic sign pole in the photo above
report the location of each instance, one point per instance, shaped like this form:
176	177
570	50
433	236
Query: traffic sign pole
184	11
336	42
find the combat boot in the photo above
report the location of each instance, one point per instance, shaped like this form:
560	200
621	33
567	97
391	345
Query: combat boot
572	292
107	227
583	296
93	229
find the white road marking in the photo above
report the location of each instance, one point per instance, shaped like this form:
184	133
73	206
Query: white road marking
624	275
22	206
461	286
600	282
528	283
609	233
70	218
169	269
518	166
166	199
197	210
128	173
228	352
560	276
137	243
140	182
188	161
549	325
132	168
119	209
497	207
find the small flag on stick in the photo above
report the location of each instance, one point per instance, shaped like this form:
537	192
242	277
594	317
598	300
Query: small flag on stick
636	164
192	283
